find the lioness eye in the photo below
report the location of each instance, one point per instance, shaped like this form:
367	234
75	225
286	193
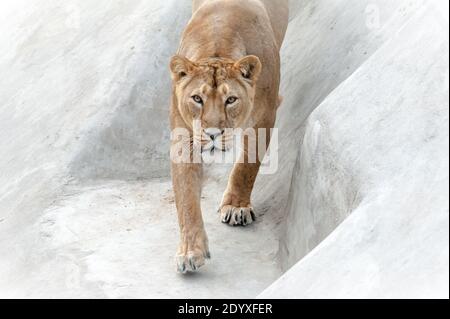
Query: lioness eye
197	99
231	100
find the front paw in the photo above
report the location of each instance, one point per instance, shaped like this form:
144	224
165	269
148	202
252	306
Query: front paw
236	216
192	253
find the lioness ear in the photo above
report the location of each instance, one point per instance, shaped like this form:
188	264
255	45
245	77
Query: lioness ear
180	67
250	67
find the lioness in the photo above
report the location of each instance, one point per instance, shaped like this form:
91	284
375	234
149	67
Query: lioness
226	74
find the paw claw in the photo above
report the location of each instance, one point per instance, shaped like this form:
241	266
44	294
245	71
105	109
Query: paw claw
252	214
181	266
192	264
226	218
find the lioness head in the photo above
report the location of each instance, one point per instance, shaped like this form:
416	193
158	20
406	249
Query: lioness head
219	93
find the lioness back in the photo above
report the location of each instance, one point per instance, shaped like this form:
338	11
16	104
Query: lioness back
229	28
277	10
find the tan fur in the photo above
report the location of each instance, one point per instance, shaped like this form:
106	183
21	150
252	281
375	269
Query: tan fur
230	48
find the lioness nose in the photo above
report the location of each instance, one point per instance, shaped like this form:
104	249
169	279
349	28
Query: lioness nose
213	133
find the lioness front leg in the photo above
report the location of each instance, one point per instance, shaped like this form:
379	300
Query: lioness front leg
236	208
193	248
